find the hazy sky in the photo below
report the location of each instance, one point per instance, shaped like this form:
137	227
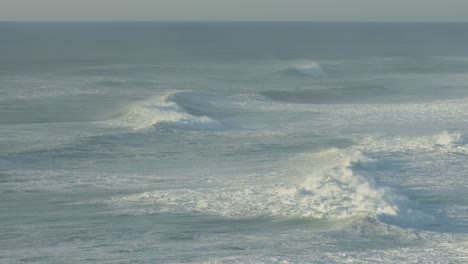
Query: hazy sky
348	10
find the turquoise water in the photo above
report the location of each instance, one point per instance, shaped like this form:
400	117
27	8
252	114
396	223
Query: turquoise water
233	143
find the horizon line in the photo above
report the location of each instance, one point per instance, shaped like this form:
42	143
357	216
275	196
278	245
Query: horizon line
232	21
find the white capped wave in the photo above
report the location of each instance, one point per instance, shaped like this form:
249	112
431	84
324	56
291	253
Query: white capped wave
310	68
160	110
342	190
303	68
347	188
334	192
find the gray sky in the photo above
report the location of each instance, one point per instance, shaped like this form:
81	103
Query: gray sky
335	10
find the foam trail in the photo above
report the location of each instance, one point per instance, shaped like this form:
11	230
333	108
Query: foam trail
160	110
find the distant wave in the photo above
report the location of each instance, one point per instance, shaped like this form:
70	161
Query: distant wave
371	92
161	110
310	69
105	70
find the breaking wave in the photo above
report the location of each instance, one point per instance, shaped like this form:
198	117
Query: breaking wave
162	110
335	192
310	69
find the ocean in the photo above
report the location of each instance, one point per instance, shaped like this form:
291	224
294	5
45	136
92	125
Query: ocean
227	142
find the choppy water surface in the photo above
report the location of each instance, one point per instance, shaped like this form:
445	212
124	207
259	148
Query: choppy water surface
233	143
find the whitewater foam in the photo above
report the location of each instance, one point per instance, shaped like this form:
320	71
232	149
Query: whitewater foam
351	192
349	188
446	138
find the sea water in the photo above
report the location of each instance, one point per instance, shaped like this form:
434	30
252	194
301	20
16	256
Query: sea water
233	142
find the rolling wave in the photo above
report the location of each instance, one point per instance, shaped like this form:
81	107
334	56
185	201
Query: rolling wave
308	69
162	110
